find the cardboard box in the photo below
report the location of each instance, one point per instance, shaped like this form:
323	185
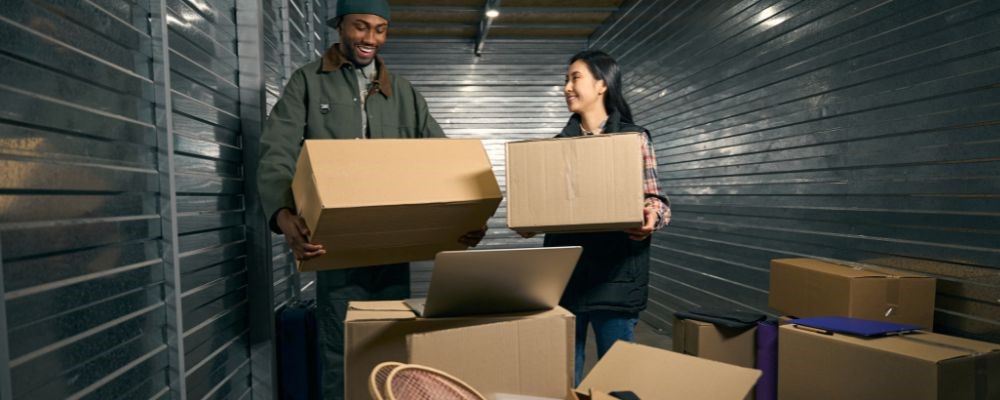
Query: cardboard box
653	373
589	183
814	364
373	202
702	339
531	353
812	288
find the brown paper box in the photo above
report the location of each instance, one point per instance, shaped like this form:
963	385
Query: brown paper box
383	201
812	288
589	183
498	353
819	365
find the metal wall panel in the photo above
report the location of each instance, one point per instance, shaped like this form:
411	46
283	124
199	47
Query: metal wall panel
127	136
861	131
302	40
209	186
277	68
79	221
513	91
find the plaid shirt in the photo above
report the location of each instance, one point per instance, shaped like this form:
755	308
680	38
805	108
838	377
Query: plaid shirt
651	187
650	183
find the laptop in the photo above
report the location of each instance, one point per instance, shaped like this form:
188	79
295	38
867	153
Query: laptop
476	282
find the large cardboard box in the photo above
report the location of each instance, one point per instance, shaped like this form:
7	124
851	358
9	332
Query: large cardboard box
804	288
372	202
653	373
589	183
530	353
705	340
815	364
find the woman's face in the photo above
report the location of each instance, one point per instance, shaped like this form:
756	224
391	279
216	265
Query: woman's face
583	91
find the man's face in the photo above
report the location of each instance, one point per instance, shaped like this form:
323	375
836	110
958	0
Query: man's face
361	35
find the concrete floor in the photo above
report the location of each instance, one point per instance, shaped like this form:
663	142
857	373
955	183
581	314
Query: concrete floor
644	334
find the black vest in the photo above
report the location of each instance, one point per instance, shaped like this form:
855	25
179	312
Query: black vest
613	272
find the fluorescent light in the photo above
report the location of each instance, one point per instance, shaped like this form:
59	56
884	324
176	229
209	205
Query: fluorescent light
492	13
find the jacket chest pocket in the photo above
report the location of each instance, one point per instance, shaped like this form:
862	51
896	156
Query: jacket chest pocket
341	119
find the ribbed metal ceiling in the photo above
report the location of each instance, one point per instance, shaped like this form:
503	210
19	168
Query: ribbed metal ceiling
533	19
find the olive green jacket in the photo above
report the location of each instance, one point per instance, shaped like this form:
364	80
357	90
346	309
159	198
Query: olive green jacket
321	101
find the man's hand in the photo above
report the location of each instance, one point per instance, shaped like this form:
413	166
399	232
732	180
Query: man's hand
640	234
297	235
473	238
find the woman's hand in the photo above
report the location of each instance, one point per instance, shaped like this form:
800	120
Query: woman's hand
649	218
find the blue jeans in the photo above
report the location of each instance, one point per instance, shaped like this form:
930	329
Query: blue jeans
609	327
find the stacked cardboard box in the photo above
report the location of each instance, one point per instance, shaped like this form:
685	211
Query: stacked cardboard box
822	364
803	288
919	366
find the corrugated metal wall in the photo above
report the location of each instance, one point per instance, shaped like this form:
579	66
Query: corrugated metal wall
513	91
300	39
850	130
80	227
210	280
127	244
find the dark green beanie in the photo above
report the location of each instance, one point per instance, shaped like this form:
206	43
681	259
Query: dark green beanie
344	7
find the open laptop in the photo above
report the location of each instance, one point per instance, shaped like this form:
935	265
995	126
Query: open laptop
476	282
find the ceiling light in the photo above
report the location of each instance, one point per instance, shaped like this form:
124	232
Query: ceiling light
492	13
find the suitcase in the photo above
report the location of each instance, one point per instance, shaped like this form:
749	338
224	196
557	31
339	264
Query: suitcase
299	366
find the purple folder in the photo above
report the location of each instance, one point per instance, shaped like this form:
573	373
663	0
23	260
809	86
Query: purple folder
855	326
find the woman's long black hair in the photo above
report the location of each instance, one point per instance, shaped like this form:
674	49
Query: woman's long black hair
604	68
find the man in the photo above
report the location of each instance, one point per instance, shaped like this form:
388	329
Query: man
348	94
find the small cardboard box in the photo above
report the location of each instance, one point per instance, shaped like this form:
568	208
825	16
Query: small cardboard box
589	183
815	364
531	353
702	339
373	202
812	288
653	373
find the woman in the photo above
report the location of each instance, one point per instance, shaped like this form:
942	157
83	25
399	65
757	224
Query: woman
609	286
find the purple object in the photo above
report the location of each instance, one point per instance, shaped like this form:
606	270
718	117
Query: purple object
855	326
767	361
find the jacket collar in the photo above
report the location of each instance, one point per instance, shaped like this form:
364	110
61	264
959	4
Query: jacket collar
334	60
573	127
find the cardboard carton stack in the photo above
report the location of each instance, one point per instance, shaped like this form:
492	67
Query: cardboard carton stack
803	288
824	364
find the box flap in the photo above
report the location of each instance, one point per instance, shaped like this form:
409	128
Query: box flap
653	373
401	171
378	311
847	270
380	305
825	268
